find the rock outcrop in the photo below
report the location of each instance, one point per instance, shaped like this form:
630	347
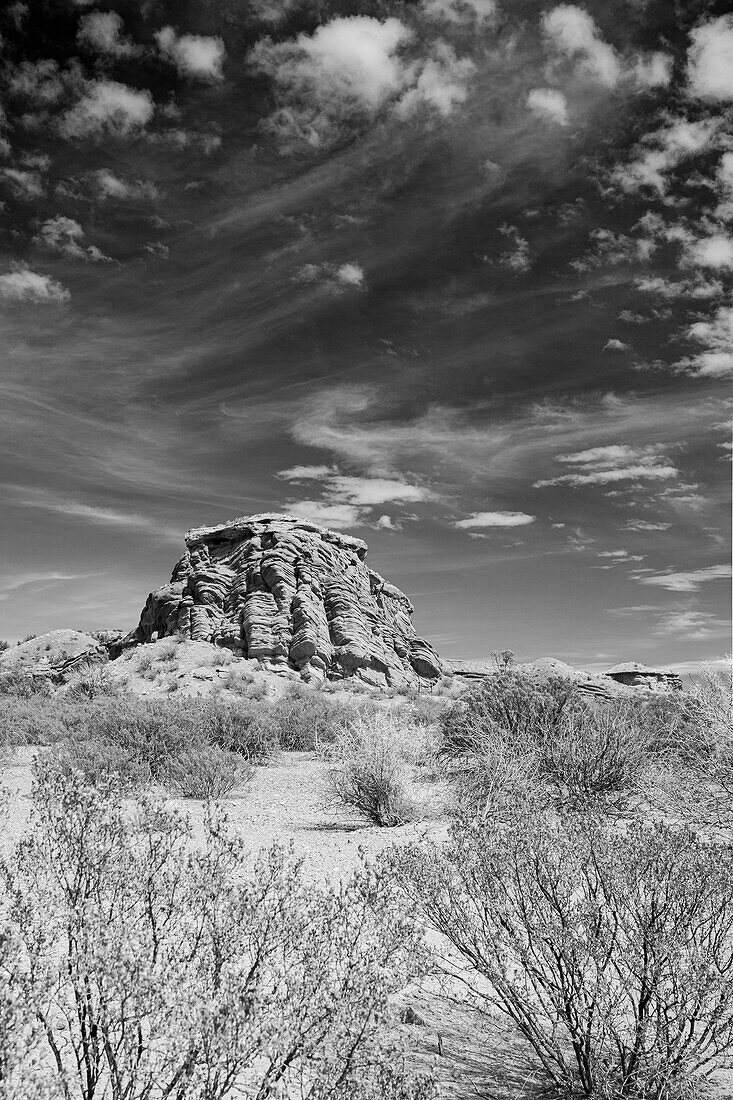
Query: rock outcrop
632	674
53	656
293	595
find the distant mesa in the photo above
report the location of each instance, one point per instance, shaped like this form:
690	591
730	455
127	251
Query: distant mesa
292	595
632	674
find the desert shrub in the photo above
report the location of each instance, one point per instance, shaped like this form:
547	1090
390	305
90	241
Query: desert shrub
703	790
208	772
153	969
22	683
522	708
425	710
306	718
241	727
518	738
90	683
369	772
610	951
597	751
167	742
30	720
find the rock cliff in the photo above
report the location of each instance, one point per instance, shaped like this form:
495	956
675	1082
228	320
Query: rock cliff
292	595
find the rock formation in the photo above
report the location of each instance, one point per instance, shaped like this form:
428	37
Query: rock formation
632	674
292	595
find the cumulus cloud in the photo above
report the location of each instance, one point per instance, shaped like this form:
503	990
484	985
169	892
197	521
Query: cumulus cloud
686	582
108	107
24	285
663	150
548	104
442	83
66	236
710	60
715	251
716	334
616	345
335	277
607	465
101	32
518	257
479	520
347	72
573	33
26	185
39	82
195	56
459	11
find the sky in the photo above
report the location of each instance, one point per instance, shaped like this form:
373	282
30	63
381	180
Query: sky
453	276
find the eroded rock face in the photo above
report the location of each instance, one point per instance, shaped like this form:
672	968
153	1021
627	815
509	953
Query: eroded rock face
292	595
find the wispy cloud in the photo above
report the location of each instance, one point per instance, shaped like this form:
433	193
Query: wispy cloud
687	581
609	464
482	520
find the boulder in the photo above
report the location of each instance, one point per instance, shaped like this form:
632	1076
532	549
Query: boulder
294	596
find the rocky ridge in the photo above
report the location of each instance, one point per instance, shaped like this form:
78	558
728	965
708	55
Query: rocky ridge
292	595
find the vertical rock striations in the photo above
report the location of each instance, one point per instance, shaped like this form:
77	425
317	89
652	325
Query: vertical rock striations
290	594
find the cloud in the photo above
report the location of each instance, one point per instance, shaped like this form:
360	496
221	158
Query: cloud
25	185
15	582
40	82
661	151
65	236
337	278
572	33
519	257
349	70
692	624
459	11
338	516
24	285
715	251
59	503
716	333
687	582
108	107
616	345
494	519
617	462
348	500
442	83
306	473
109	186
646	525
197	57
710	60
548	104
101	32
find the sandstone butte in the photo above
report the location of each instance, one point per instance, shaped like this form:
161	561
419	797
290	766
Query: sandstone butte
292	595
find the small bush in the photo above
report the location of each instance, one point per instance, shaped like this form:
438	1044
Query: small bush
369	773
598	750
22	683
307	718
522	708
30	720
208	773
611	952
